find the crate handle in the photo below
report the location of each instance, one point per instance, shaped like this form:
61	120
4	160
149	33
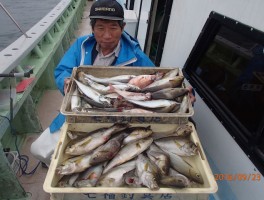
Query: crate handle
58	150
200	151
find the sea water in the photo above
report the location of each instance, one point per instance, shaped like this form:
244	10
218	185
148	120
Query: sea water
26	13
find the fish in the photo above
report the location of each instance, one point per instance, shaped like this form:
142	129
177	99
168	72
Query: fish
68	180
147	172
131	95
137	110
108	150
112	95
164	83
93	94
144	80
154	103
92	110
177	145
107	89
85	104
131	179
176	179
94	140
113	80
179	181
75	101
160	158
169	93
115	177
122	103
74	165
185	168
76	134
174	106
129	152
93	103
137	133
171	73
181	130
89	177
184	105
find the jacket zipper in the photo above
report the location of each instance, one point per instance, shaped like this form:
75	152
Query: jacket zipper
83	52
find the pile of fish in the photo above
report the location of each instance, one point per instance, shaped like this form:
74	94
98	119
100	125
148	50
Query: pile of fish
130	156
148	93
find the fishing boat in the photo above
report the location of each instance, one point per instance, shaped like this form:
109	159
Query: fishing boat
218	44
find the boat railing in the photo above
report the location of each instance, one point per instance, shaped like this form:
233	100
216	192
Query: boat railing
46	43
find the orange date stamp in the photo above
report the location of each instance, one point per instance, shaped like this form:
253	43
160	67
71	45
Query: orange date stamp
238	177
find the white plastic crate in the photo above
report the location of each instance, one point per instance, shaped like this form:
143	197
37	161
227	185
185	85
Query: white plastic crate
200	161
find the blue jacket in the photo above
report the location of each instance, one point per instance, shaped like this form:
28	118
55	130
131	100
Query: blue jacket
80	53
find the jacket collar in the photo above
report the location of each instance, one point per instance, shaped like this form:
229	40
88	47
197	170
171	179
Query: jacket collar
126	56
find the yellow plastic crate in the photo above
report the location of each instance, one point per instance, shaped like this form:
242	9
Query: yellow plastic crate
200	161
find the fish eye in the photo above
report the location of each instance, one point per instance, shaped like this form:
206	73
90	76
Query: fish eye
197	175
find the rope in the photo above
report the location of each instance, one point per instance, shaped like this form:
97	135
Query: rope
10	16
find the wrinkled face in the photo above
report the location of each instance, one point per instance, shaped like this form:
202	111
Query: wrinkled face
107	34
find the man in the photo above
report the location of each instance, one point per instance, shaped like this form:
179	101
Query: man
109	45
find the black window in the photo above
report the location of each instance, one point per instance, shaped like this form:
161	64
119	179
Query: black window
226	66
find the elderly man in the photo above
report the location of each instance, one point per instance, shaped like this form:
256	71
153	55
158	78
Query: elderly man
109	45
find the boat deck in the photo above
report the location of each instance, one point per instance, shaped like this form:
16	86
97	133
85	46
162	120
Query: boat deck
47	109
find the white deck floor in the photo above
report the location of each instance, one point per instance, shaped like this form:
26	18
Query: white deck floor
48	108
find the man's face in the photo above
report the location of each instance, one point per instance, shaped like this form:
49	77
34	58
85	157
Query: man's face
107	34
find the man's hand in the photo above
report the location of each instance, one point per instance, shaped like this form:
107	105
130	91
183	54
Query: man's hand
192	97
67	82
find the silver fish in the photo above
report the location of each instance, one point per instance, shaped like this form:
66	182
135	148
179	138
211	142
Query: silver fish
115	177
181	130
137	133
129	152
112	95
89	177
171	73
93	94
177	145
148	172
74	165
93	103
92	110
108	150
75	100
178	180
81	77
113	80
164	83
160	158
169	93
76	134
184	105
185	168
94	140
137	110
68	180
107	90
167	109
131	95
154	103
